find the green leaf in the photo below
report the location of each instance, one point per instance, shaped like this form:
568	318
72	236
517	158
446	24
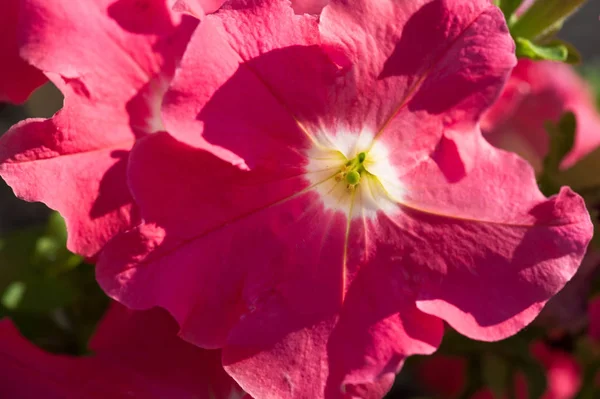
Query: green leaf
46	294
13	294
562	139
552	52
573	56
30	261
495	372
508	7
57	228
591	73
49	292
543	16
51	252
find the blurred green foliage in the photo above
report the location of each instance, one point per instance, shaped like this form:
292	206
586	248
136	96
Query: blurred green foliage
48	291
534	29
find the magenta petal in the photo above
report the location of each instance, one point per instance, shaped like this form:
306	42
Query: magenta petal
87	185
308	6
147	342
17	78
21	363
255	88
257	282
452	71
197	8
358	353
110	60
136	354
484	233
232	196
567	310
484	259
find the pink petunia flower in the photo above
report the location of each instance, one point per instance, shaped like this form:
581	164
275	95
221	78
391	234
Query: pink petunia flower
17	78
538	92
329	199
136	355
112	61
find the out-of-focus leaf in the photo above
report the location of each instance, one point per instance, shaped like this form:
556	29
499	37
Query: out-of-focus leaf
562	138
15	256
535	376
583	177
591	73
573	55
495	372
543	16
52	297
13	294
551	52
51	251
33	259
508	7
45	294
57	228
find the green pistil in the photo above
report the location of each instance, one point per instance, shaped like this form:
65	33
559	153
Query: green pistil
353	170
353	178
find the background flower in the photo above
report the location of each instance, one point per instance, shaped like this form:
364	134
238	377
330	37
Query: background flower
136	354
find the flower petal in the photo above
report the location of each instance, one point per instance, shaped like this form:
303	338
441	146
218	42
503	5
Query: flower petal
197	8
309	6
17	78
87	185
110	62
208	226
452	71
230	286
259	88
495	220
148	343
134	357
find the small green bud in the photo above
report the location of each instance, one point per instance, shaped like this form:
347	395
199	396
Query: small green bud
353	178
361	157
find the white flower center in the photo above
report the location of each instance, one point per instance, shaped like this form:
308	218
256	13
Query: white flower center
352	174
